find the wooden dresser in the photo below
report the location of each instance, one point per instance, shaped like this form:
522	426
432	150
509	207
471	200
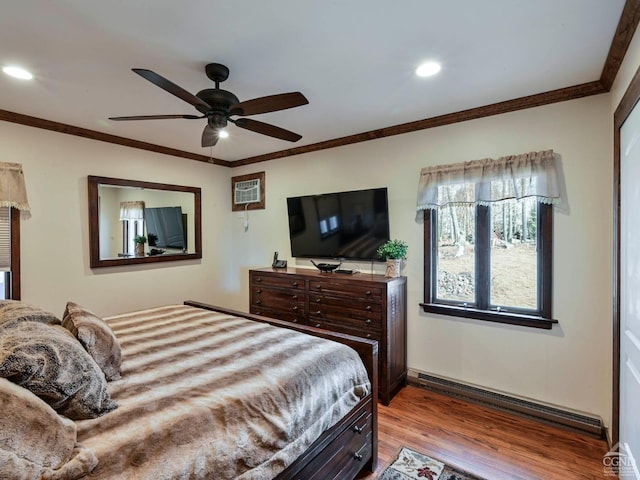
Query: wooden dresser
365	305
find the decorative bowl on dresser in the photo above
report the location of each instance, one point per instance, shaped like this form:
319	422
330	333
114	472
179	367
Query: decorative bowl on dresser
365	305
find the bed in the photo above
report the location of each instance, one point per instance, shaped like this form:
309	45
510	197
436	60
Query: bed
205	392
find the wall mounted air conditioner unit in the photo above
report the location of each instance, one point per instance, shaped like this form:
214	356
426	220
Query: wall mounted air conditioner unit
247	192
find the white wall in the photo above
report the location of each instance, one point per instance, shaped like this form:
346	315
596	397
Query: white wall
55	240
627	70
570	365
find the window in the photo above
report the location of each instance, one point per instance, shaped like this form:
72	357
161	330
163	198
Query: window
9	253
488	240
130	230
132	217
14	206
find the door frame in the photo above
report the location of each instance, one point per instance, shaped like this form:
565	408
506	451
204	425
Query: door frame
628	102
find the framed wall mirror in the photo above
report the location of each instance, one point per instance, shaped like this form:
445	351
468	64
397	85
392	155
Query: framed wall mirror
167	217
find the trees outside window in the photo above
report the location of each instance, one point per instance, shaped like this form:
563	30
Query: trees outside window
489	262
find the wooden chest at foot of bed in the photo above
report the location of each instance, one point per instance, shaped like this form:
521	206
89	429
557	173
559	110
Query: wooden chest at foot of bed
345	455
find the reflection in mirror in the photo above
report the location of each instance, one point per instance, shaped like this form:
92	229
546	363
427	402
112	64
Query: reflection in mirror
121	211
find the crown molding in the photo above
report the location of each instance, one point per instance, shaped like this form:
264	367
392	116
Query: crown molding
624	33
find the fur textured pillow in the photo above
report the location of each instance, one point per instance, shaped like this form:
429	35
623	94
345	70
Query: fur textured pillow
96	337
16	311
51	363
35	442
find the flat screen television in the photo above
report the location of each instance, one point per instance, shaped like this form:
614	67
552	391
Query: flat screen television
350	225
165	227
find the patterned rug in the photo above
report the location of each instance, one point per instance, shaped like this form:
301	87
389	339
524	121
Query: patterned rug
411	465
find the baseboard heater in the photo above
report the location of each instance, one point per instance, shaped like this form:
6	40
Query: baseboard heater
591	425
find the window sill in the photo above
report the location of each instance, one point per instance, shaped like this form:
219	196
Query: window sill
491	316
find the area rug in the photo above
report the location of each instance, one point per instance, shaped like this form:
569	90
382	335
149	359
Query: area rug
411	465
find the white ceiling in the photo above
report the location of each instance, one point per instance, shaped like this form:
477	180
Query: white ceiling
352	59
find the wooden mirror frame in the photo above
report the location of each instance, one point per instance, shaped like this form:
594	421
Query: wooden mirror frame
94	222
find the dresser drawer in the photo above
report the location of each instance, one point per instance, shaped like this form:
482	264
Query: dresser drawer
262	293
280	281
279	302
351	304
345	288
364	332
346	316
349	452
288	315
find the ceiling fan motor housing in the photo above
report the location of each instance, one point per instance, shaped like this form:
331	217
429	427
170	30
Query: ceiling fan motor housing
220	101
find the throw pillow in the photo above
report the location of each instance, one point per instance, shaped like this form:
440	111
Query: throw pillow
17	311
96	337
51	363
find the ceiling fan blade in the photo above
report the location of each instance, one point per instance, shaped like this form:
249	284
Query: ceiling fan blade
271	103
171	87
155	117
209	136
267	129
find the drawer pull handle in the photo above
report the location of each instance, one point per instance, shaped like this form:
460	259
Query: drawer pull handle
258	279
295	297
357	429
318	300
318	287
368	335
295	307
259	290
295	320
368	292
358	456
368	308
317	325
368	321
258	302
295	284
318	312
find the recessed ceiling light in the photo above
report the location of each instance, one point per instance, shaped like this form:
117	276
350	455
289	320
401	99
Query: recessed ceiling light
427	69
17	72
223	134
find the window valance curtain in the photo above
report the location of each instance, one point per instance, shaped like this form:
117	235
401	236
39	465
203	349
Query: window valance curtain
132	210
13	192
532	174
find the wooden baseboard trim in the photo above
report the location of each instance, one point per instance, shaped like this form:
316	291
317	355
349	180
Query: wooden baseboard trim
589	424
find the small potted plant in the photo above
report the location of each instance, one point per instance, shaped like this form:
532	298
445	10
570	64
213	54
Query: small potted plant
394	252
140	240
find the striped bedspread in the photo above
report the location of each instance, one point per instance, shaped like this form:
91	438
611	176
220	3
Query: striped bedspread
205	395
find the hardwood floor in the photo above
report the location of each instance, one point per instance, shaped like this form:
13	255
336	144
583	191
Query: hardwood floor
484	441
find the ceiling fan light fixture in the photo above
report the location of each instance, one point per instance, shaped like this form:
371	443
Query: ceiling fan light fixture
17	72
223	134
428	69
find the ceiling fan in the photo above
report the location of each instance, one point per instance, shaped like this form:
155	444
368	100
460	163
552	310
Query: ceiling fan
218	106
